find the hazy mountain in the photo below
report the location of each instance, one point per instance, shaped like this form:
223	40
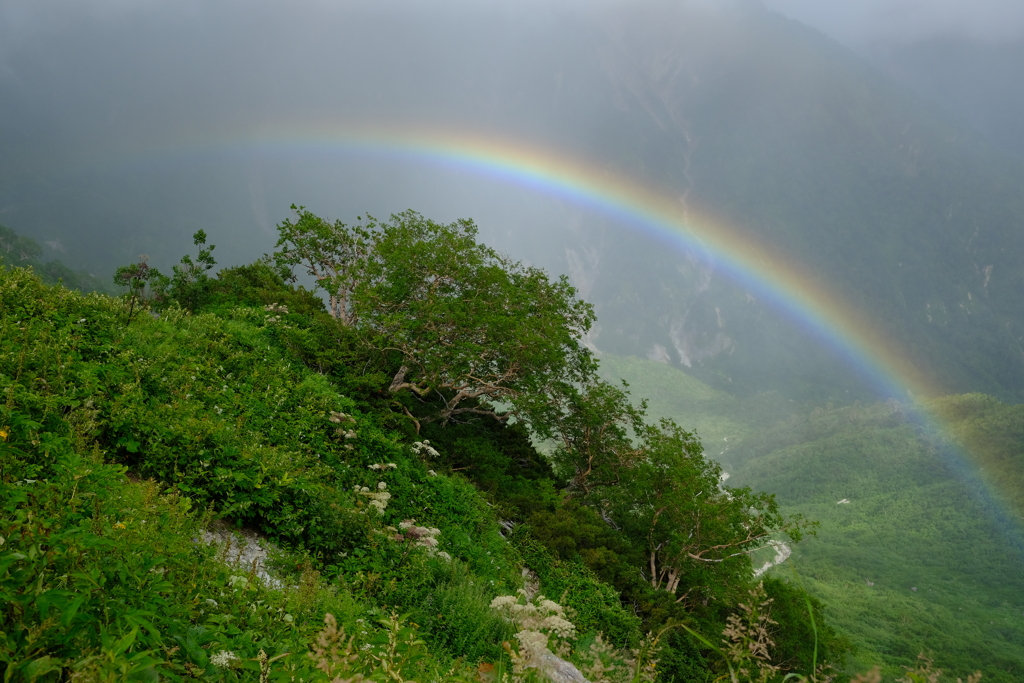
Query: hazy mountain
798	141
975	82
734	110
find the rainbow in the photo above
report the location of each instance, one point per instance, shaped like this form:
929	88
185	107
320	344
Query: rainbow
762	270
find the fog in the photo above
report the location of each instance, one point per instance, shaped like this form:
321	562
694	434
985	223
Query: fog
126	126
855	22
964	58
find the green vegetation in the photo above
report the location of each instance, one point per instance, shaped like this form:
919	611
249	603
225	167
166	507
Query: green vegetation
129	427
911	556
919	515
465	325
717	417
24	252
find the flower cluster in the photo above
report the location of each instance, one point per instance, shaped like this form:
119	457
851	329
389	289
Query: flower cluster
378	499
421	537
343	419
274	308
425	449
544	615
539	621
418	535
225	659
383	466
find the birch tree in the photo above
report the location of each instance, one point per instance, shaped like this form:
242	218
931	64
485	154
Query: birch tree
696	530
592	425
465	325
334	254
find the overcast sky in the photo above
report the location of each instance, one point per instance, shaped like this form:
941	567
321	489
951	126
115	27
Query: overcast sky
853	22
862	22
85	80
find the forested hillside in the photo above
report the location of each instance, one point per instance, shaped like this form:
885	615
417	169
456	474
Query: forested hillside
920	543
364	441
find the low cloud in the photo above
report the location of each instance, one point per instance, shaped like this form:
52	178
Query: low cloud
862	22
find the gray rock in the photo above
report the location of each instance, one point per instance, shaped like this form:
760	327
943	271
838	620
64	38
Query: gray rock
557	669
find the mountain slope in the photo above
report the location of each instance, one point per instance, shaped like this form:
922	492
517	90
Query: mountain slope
912	554
917	551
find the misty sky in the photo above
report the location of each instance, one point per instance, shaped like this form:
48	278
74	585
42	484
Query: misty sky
860	22
83	81
126	125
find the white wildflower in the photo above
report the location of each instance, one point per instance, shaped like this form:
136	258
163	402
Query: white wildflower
420	536
378	499
559	626
224	659
503	601
544	615
550	605
425	449
532	642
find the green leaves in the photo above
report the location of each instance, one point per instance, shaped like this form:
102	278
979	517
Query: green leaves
593	425
136	277
190	284
695	527
254	410
461	325
332	253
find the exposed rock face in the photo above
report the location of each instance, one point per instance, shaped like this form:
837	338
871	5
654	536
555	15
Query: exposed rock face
244	550
556	669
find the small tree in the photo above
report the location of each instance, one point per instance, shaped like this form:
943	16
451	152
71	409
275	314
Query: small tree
335	255
136	277
190	284
695	527
593	425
